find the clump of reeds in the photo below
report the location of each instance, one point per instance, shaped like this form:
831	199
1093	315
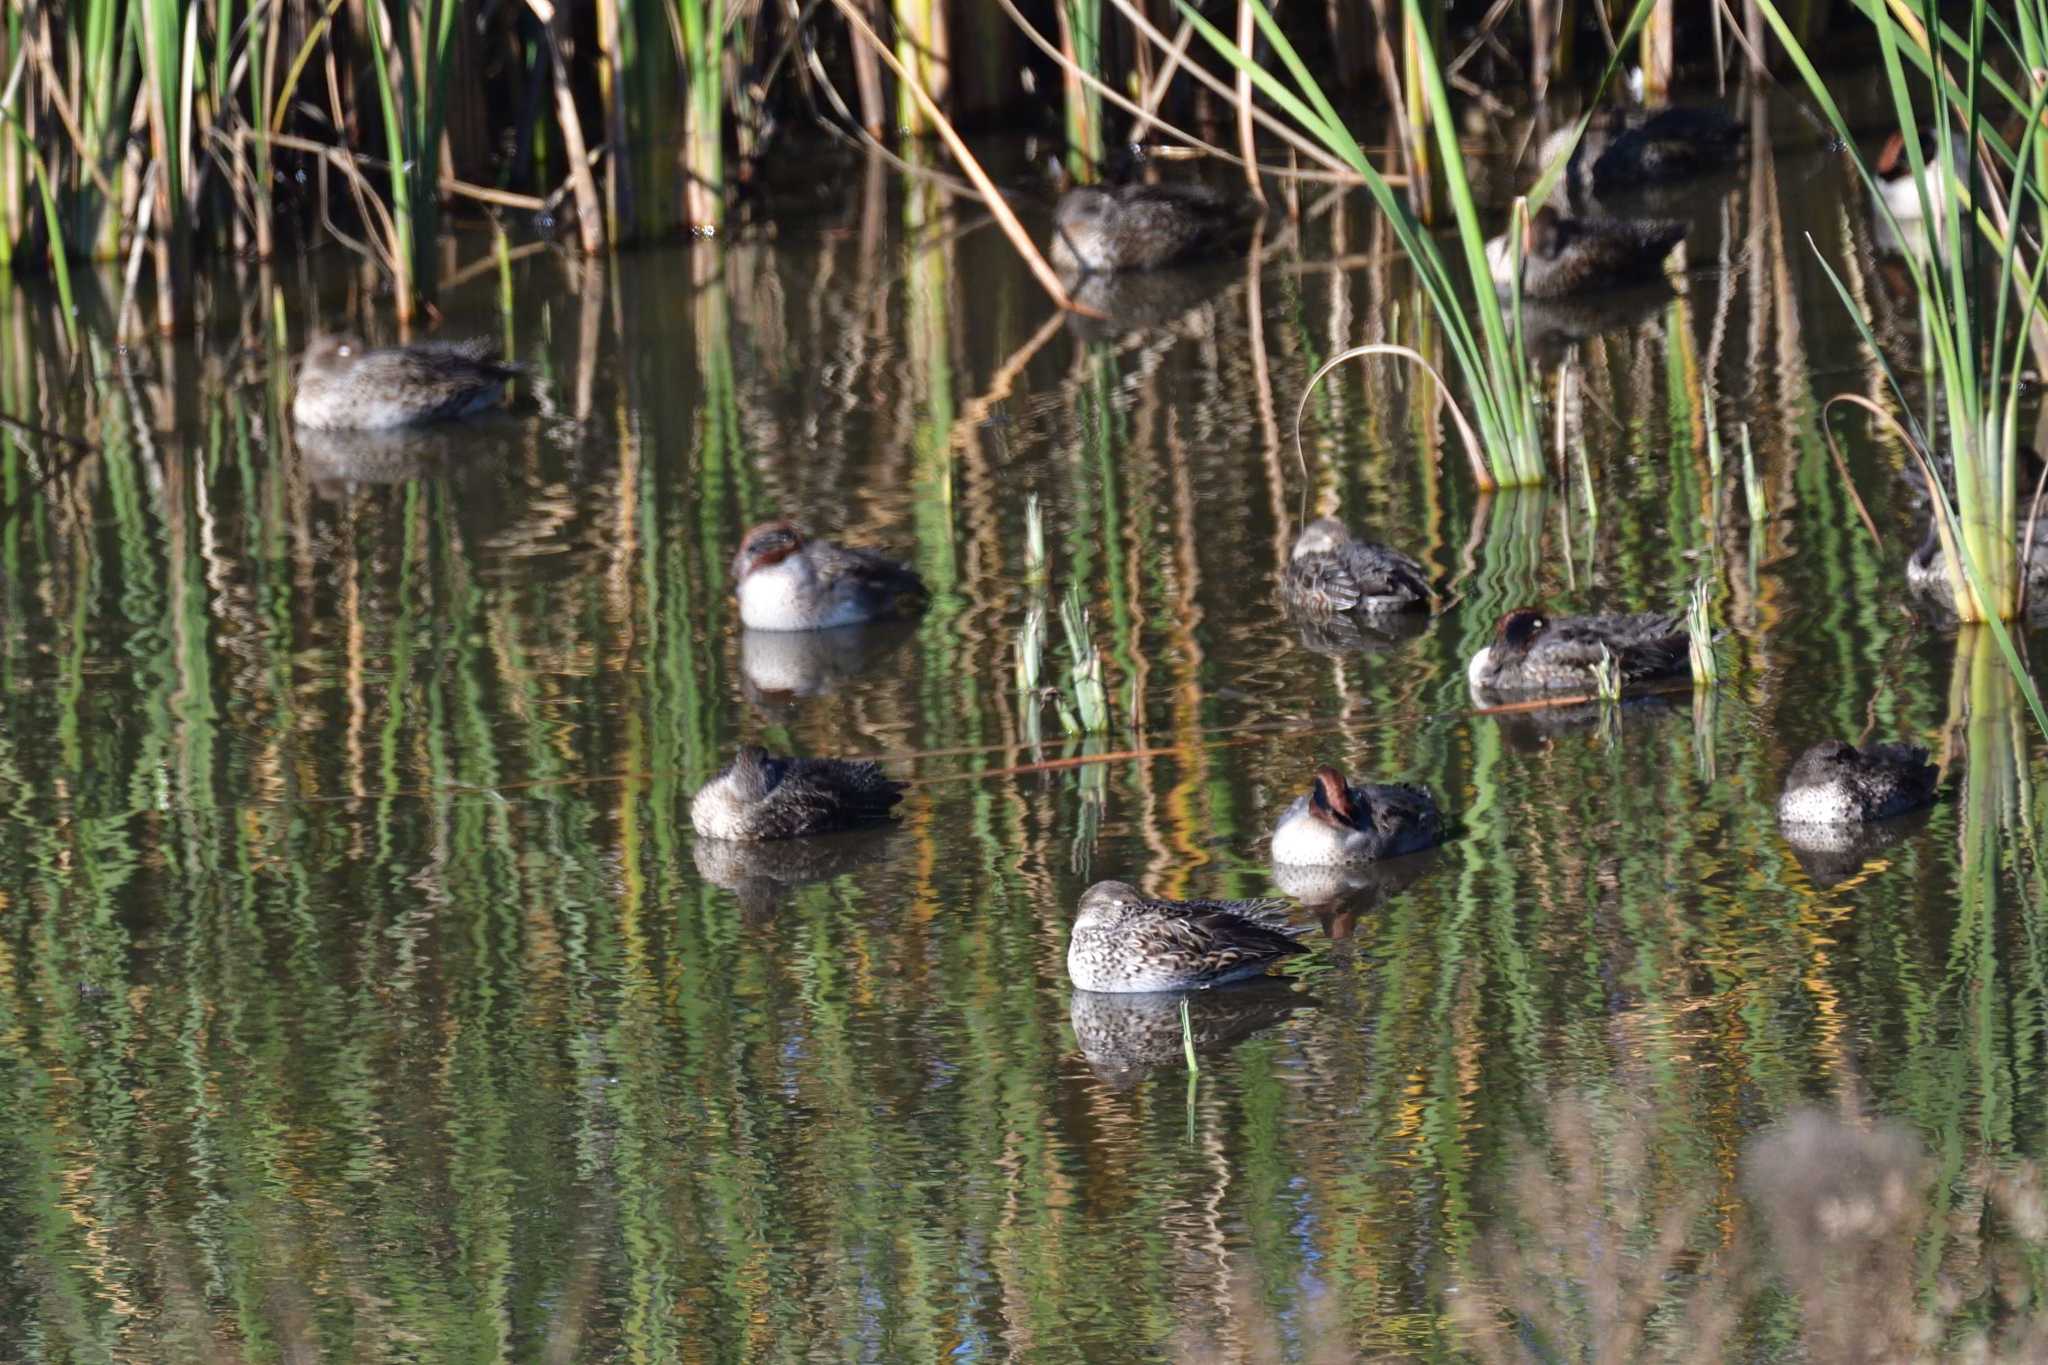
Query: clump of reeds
1699	634
1089	713
1607	676
1505	443
1083	705
1941	71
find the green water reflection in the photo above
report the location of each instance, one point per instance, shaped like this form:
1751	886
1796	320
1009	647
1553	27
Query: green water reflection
366	996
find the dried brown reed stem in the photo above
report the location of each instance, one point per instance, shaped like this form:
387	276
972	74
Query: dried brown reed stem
590	223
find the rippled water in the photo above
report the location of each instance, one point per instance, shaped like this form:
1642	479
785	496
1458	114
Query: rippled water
366	994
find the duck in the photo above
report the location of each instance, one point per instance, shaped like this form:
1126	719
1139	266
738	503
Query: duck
1125	941
787	580
1329	572
1927	566
1336	823
1835	783
759	797
345	385
1099	229
1533	652
1625	149
1900	189
1562	255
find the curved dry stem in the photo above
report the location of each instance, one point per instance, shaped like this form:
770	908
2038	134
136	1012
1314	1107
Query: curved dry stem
1842	465
1005	219
1480	473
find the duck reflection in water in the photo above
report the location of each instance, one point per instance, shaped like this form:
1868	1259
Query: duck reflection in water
1340	897
1124	1037
339	458
779	668
1831	854
761	876
1146	302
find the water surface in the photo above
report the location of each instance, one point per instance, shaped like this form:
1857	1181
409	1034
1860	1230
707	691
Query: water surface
367	996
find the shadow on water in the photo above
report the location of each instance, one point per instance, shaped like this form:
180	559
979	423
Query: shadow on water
365	992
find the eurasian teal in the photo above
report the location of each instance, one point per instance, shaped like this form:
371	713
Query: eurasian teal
1338	823
1902	194
788	581
1927	567
1329	572
1099	228
1563	256
1532	653
1835	783
1125	941
760	797
344	385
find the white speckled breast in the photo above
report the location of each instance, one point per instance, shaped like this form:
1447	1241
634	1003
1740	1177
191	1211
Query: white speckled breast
1477	673
716	813
1826	803
788	596
1301	840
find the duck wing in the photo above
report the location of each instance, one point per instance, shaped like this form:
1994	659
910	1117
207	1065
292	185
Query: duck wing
1214	937
875	583
1396	808
1899	770
1380	571
434	374
819	795
1168	223
1670	145
1643	646
1619	249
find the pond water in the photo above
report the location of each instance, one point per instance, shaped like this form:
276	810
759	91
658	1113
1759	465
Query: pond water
365	993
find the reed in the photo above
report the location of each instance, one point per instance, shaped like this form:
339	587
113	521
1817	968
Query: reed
1089	713
1607	677
701	34
1080	23
1699	634
1505	441
1977	338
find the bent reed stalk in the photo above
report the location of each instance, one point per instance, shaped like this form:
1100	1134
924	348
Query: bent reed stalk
1505	437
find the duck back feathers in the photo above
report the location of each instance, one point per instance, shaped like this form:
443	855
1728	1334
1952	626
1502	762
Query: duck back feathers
1124	940
761	797
1098	228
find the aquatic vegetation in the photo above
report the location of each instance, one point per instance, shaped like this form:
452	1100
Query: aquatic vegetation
1976	340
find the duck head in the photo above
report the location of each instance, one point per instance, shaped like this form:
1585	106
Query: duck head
330	352
1083	204
765	546
754	774
1518	629
1891	160
1545	235
1101	902
1330	801
1321	537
